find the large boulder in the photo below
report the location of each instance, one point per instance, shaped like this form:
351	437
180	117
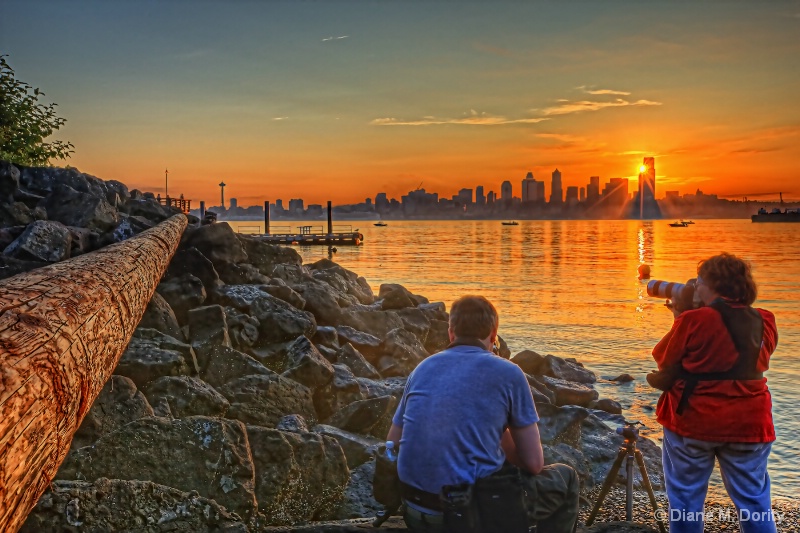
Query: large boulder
218	242
265	256
365	343
122	505
561	424
358	449
321	300
48	181
208	327
146	360
118	403
159	316
191	261
242	328
415	321
240	273
300	476
148	208
344	281
75	208
42	240
183	293
285	293
570	393
375	388
186	396
438	337
435	311
264	399
238	296
358	499
378	323
352	358
394	296
530	362
279	321
208	455
372	416
306	365
342	390
402	352
224	364
9	181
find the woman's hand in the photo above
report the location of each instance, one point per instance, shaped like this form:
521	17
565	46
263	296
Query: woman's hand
672	307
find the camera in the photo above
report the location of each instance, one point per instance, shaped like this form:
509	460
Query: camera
681	294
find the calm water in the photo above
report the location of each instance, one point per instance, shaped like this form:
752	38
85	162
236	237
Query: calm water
570	288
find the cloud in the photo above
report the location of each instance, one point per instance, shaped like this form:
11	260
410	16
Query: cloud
491	49
280	118
474	119
602	91
567	107
335	38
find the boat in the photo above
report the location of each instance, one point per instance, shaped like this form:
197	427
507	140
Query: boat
381	224
687	221
680	224
776	215
511	223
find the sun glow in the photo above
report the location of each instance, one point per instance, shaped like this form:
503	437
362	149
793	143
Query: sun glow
642	169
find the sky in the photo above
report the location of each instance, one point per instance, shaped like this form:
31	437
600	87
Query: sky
341	100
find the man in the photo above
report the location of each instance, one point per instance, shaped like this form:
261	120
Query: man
464	413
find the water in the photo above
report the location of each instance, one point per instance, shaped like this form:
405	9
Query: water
570	288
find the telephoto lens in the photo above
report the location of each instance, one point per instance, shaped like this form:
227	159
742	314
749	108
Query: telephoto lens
665	289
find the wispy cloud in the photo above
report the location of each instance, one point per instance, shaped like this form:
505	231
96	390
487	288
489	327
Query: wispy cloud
280	118
589	90
566	107
473	119
335	38
491	49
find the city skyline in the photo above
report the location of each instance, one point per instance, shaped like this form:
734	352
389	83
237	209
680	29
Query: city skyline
330	100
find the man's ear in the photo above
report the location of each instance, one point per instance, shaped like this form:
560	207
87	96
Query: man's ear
451	334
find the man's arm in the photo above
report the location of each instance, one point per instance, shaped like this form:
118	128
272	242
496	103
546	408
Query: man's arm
523	448
395	432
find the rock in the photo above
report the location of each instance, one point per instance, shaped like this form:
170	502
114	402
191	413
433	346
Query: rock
416	322
358	499
144	361
148	208
118	403
224	364
327	353
623	378
321	300
191	261
209	455
352	358
208	327
83	240
11	267
287	294
357	449
299	476
394	296
378	323
561	424
75	208
435	311
48	180
9	181
567	370
366	416
363	342
119	505
342	390
373	388
569	455
306	365
326	336
569	393
265	256
607	405
541	389
186	396
16	214
183	293
264	399
239	273
238	296
160	316
343	280
438	337
279	321
402	353
42	241
619	527
291	274
242	328
292	423
218	242
504	351
163	340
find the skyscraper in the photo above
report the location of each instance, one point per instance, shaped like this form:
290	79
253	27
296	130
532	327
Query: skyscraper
647	180
556	193
506	191
529	188
480	198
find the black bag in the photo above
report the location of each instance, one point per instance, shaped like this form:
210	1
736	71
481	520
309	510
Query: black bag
494	504
386	483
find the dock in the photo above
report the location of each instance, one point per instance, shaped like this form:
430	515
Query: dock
339	235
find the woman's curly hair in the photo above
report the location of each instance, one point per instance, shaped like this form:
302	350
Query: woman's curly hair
730	277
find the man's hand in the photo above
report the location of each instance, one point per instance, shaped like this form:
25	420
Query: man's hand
523	448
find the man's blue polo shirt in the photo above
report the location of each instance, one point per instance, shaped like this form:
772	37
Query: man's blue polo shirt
454	410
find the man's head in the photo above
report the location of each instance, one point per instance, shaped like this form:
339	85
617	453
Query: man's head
475	317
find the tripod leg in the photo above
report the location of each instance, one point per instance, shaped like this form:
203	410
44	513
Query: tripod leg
629	488
609	481
649	488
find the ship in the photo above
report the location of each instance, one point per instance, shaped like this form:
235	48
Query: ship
776	215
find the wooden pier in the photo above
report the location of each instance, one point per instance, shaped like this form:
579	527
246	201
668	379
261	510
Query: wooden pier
340	235
181	203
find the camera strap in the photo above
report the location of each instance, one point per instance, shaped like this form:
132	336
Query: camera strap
746	328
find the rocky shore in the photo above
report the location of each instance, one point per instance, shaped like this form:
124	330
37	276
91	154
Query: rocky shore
256	387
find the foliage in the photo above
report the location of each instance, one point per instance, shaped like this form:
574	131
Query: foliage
25	123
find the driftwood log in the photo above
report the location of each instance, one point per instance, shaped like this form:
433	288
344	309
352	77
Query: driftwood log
63	329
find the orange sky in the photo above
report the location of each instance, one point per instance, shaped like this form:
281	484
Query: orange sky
342	100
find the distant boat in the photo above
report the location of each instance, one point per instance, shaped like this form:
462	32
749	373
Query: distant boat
511	223
776	215
381	224
687	221
680	224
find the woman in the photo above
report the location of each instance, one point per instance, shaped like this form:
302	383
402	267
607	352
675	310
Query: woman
719	406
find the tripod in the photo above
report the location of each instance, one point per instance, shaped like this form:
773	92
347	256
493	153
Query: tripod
629	452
